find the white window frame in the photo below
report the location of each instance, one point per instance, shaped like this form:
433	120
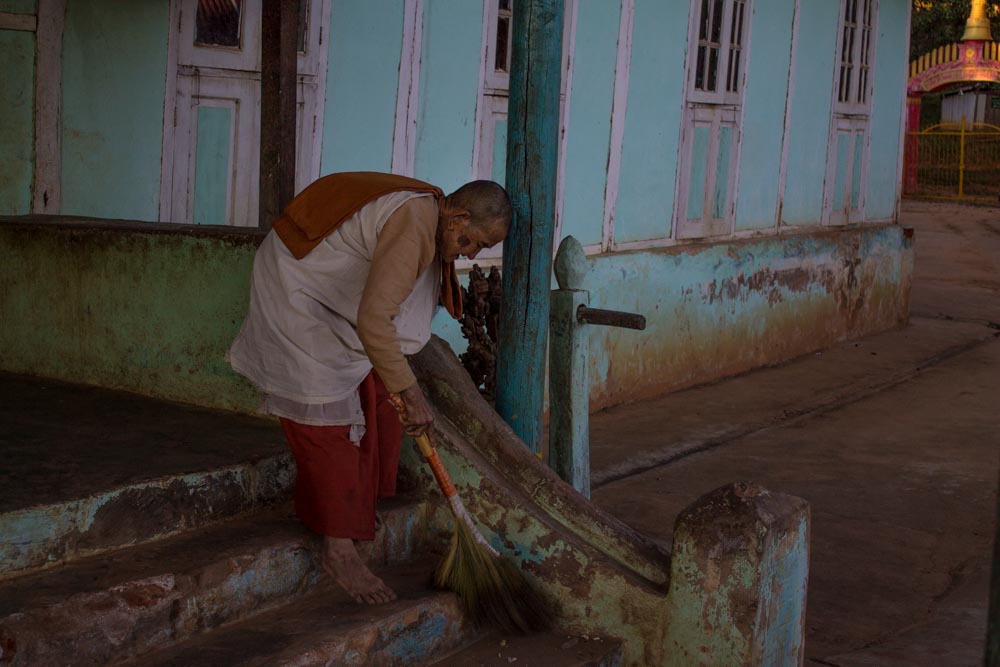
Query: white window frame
853	95
725	95
187	63
494	91
494	79
716	109
851	110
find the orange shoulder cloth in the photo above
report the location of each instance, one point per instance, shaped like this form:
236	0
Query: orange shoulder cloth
328	202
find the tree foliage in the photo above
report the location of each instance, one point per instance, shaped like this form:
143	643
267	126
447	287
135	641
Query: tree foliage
939	22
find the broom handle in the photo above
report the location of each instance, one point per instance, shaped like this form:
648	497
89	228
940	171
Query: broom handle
449	490
443	478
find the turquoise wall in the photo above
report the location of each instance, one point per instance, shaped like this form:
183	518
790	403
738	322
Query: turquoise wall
589	131
764	113
809	114
361	83
449	79
17	129
114	83
211	171
652	122
887	111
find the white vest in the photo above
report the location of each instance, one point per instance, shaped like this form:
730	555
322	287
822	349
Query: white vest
299	343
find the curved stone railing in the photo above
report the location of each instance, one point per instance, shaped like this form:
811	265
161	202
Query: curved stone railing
732	592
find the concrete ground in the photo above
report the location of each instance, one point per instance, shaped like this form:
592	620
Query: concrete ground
892	439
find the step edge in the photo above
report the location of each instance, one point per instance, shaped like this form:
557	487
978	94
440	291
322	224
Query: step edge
46	535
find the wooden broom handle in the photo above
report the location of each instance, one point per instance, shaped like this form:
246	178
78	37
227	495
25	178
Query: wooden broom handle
430	454
437	466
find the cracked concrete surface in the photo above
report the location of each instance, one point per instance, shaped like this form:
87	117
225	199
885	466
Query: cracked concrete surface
893	439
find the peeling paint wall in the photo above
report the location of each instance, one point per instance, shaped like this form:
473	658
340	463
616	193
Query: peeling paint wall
139	308
720	309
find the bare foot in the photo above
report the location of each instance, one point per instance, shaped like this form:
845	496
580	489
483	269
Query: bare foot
341	561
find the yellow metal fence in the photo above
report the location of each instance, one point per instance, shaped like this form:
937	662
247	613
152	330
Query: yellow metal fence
954	161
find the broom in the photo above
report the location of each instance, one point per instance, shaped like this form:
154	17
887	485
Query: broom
492	589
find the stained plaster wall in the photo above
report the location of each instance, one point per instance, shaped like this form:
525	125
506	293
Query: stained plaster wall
137	307
130	308
720	309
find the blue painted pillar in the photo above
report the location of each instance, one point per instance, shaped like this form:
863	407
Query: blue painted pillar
532	154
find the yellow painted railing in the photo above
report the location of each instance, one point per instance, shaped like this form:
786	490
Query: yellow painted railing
956	161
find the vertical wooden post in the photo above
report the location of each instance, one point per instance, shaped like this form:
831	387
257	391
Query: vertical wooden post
532	156
961	160
911	157
992	657
569	386
46	194
279	47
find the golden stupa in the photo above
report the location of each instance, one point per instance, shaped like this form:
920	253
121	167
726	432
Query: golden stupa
977	28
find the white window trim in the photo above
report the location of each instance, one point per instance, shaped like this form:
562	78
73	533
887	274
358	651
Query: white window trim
46	195
618	110
719	96
853	107
404	137
491	97
20	22
786	134
853	118
312	71
492	79
681	229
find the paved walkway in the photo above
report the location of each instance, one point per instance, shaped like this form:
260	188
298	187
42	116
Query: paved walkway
892	439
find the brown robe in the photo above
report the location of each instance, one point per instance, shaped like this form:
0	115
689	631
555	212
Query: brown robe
325	204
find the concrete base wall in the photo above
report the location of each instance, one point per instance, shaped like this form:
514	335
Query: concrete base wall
714	310
135	306
152	309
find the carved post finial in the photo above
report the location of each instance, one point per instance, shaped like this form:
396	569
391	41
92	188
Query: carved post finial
570	265
977	28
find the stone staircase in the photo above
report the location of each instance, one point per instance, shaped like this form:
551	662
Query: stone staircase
134	531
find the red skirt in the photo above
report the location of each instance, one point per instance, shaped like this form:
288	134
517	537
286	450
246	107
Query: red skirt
337	483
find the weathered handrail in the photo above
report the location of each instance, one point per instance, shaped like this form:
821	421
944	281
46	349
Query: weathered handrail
569	380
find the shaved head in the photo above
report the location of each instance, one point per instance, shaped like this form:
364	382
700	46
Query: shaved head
487	203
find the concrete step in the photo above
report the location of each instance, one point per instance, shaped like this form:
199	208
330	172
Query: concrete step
42	536
541	650
121	604
86	470
326	627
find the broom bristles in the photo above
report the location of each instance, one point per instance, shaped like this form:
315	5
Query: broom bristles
493	590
